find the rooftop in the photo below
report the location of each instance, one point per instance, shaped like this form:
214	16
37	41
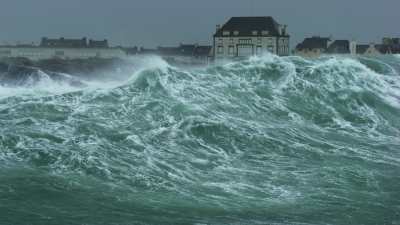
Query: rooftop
339	47
361	49
314	43
64	42
245	26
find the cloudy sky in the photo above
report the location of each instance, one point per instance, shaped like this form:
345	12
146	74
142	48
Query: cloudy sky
169	22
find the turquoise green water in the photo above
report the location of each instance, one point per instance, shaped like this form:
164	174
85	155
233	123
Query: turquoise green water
262	141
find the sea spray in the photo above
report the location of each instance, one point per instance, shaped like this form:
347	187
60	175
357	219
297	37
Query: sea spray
267	140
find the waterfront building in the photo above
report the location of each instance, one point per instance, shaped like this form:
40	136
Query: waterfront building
247	36
313	46
203	53
186	53
370	49
390	41
63	43
130	50
98	43
316	46
390	46
342	47
181	50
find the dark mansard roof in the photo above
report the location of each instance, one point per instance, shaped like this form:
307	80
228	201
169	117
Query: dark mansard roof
246	25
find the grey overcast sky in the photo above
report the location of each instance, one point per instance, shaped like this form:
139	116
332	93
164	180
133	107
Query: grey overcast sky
169	22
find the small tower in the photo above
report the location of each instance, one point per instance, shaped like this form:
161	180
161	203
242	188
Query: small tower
218	27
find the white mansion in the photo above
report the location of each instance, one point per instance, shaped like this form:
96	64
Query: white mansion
247	36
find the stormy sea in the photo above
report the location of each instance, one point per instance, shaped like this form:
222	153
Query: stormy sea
265	140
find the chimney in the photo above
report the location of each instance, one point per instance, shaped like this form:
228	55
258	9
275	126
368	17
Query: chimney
284	27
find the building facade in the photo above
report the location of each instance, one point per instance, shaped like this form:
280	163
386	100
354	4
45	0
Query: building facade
98	44
247	36
390	41
370	49
73	43
63	43
316	46
186	53
342	47
313	46
390	45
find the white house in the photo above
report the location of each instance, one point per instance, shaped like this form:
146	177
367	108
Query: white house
247	36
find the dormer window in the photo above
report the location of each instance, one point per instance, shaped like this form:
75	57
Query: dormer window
265	32
236	33
226	33
255	33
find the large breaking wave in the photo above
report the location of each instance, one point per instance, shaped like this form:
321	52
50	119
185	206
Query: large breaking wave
258	141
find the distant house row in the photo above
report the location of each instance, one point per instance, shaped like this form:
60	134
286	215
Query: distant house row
82	49
63	48
316	46
73	43
239	37
184	53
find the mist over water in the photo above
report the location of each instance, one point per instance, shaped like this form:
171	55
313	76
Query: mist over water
267	140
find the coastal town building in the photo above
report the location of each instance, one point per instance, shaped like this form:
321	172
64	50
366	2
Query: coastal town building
390	41
130	51
247	36
203	53
193	54
187	53
63	43
73	43
342	47
313	46
370	49
63	49
98	43
390	46
316	46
